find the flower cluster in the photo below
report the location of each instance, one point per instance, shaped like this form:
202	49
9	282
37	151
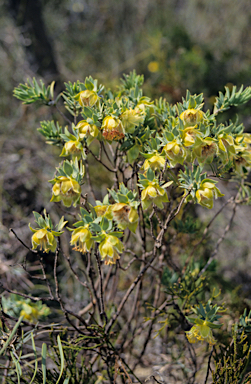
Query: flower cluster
92	228
160	145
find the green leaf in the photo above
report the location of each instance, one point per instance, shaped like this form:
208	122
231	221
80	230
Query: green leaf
68	169
18	367
13	332
122	198
117	234
79	224
83	212
201	310
95	227
150	174
61	358
35	357
104	223
61	223
191	320
36	215
88	112
43	354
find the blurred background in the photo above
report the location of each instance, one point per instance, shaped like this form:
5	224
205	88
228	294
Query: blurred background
198	45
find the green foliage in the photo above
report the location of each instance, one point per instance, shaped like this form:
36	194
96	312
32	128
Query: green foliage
32	92
233	98
51	132
231	363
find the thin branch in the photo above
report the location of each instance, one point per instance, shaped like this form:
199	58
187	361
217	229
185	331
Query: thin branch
63	115
129	291
26	246
66	311
227	228
205	232
89	180
174	212
102	313
45	278
100	161
208	366
33	298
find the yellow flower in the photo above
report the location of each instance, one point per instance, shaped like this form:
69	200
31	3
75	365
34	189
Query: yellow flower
112	128
189	135
156	162
29	313
72	147
227	147
44	239
87	98
110	248
191	117
81	238
143	104
205	150
103	210
175	153
32	311
244	138
243	159
153	193
87	130
66	189
153	66
131	118
206	193
201	332
126	216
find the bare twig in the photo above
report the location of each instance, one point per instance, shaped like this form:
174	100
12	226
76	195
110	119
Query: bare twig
100	161
208	366
26	246
227	228
63	115
102	313
205	233
174	212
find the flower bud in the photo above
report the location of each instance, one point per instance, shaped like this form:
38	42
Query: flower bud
175	153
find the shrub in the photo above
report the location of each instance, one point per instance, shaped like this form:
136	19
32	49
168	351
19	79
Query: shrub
137	255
